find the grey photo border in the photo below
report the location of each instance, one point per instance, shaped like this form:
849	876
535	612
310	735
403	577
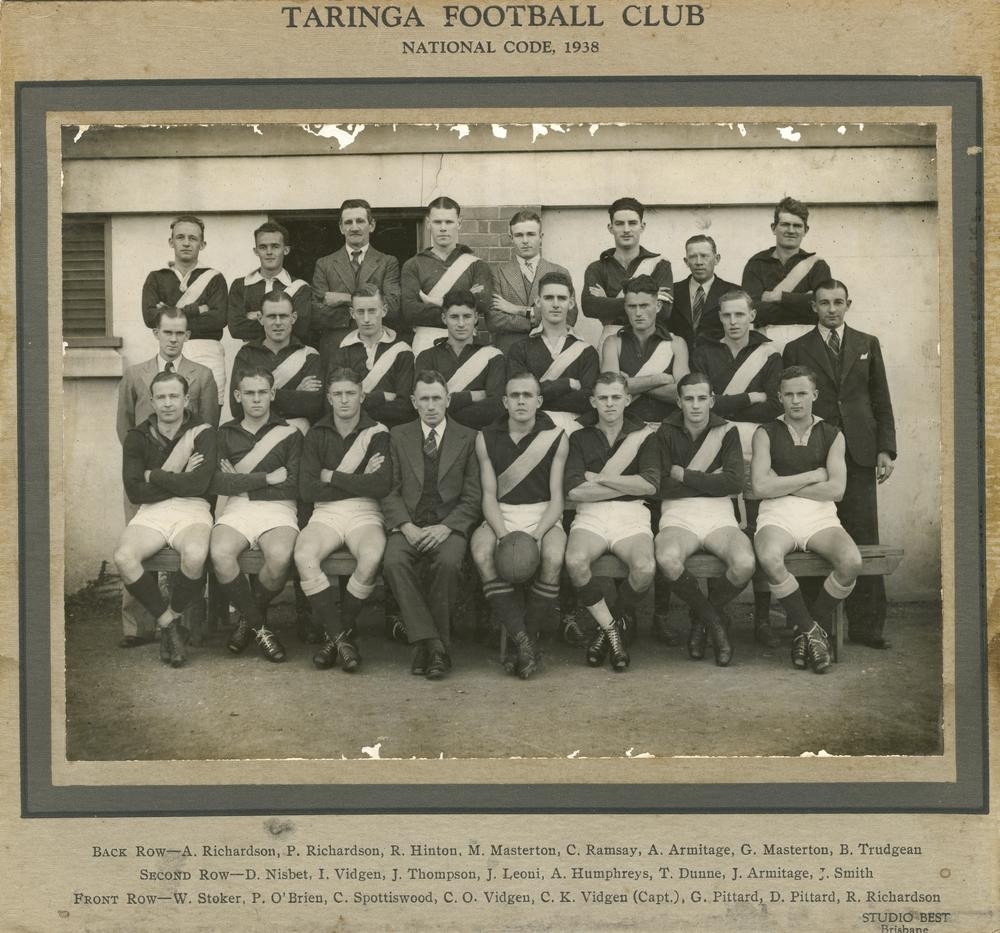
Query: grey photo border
34	100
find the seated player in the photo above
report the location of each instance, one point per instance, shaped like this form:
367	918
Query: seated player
700	468
345	470
521	462
565	366
258	477
168	462
743	369
613	465
384	362
475	374
798	469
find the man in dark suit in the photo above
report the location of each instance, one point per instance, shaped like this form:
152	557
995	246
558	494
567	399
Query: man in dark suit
695	312
429	513
338	275
854	396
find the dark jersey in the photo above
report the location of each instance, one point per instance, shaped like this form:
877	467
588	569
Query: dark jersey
276	444
712	462
326	449
503	452
589	451
632	356
146	448
789	458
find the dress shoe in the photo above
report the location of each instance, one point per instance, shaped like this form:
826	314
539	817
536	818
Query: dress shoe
527	663
418	666
664	632
597	650
616	642
164	646
818	649
570	632
326	656
438	664
270	647
764	635
697	640
347	652
800	651
133	641
720	641
240	637
176	642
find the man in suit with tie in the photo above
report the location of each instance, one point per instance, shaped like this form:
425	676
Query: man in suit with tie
429	513
695	311
338	275
135	406
853	396
515	283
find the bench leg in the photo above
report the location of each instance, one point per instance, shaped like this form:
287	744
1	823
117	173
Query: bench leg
839	622
503	643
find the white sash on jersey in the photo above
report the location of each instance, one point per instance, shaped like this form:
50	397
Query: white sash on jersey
263	447
194	291
645	267
291	288
796	274
300	424
356	452
564	360
659	360
529	459
625	454
183	449
749	368
709	449
451	275
472	368
382	365
290	365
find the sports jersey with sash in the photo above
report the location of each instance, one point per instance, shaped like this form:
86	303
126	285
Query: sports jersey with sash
200	286
657	356
166	459
289	366
797	278
253	455
576	359
712	462
756	368
634	452
246	298
523	468
348	458
428	273
788	456
611	275
475	368
386	372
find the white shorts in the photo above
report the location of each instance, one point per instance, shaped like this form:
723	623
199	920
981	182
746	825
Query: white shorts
346	515
524	517
565	420
800	517
172	516
253	518
424	337
701	515
613	521
209	353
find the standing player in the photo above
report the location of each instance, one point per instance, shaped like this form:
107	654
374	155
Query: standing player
612	466
198	291
340	274
514	310
259	476
167	465
345	471
603	278
379	357
521	462
798	469
435	271
246	295
854	396
475	374
565	366
696	299
700	468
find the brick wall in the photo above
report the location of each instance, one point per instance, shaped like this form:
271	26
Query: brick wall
484	229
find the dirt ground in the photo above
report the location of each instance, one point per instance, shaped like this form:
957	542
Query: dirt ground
224	707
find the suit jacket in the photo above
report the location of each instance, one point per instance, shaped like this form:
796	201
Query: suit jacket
458	477
134	405
858	401
709	325
334	273
509	283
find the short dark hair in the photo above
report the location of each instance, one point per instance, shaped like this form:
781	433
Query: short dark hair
354	203
272	227
641	285
737	294
460	297
523	374
343	374
171	312
556	278
828	284
444	203
368	290
626	204
188	219
274	296
694	378
791	206
430	377
701	238
253	372
610	378
796	372
521	217
164	376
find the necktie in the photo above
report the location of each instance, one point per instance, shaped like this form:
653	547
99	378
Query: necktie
699	306
430	444
169	368
834	344
356	260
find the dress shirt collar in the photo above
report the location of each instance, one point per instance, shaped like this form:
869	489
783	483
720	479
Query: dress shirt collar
824	333
161	363
694	286
438	430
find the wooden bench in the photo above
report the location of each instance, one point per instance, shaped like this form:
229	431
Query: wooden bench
877	560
